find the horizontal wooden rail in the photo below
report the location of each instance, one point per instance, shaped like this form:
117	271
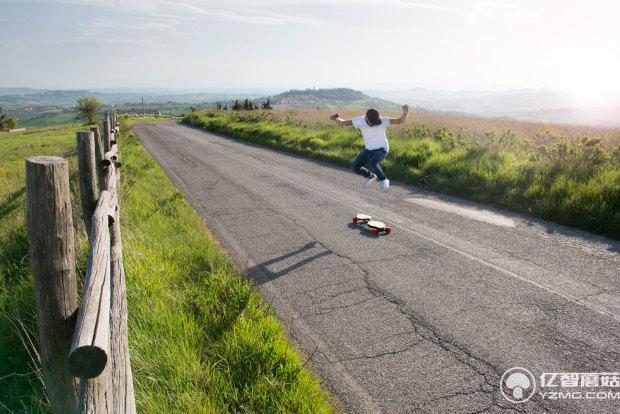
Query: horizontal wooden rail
111	156
90	348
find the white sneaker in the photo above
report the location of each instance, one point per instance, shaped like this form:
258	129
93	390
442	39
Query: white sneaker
385	184
370	180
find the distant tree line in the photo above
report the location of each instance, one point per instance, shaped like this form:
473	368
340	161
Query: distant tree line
332	94
247	105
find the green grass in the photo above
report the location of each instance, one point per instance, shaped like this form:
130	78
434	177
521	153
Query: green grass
201	338
572	182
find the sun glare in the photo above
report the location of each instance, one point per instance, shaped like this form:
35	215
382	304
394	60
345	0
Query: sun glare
586	96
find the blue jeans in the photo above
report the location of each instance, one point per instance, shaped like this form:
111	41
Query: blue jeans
372	158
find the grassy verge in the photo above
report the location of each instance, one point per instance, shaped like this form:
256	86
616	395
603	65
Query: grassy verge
575	182
201	338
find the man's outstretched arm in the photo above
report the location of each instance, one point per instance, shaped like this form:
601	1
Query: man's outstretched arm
403	117
342	122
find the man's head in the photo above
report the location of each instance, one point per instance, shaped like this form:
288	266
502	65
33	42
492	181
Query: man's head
372	117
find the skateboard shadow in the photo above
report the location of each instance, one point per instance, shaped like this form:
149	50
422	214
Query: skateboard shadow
261	274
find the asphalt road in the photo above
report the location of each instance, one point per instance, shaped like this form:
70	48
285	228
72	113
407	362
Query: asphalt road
426	319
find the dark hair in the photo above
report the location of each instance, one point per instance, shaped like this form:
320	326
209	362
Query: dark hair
373	117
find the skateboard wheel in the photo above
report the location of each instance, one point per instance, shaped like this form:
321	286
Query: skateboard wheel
355	219
388	230
375	232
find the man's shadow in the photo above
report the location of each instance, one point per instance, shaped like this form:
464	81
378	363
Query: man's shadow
261	274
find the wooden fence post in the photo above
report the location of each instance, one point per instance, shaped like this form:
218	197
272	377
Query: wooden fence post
106	133
96	395
87	176
99	151
51	240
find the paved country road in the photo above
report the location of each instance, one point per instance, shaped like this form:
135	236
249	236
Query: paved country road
426	319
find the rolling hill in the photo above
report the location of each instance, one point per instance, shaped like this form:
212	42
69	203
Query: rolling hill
328	98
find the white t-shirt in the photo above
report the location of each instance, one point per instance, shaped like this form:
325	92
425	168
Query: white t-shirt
374	136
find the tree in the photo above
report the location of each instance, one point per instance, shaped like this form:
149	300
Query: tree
267	105
2	119
247	105
236	106
10	123
226	107
88	107
7	122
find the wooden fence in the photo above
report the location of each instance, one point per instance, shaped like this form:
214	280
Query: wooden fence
83	349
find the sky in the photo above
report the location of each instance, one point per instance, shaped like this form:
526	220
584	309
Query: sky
365	44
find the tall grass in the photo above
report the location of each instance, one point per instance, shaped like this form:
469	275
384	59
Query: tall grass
201	338
21	389
572	180
470	127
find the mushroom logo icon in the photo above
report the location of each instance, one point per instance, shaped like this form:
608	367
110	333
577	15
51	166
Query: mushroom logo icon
517	385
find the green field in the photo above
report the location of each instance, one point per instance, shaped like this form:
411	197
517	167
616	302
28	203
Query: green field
50	119
60	116
567	177
201	339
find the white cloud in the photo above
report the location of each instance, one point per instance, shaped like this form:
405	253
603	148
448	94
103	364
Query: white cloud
434	7
505	12
260	12
135	26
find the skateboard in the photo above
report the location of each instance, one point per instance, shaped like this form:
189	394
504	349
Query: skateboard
376	227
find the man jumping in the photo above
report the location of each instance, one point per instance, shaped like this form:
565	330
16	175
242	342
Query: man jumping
376	147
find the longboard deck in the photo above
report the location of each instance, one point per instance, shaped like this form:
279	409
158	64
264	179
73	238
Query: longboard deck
375	226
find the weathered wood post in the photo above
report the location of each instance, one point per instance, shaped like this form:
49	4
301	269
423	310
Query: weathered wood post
87	175
50	237
112	137
96	394
99	151
106	133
